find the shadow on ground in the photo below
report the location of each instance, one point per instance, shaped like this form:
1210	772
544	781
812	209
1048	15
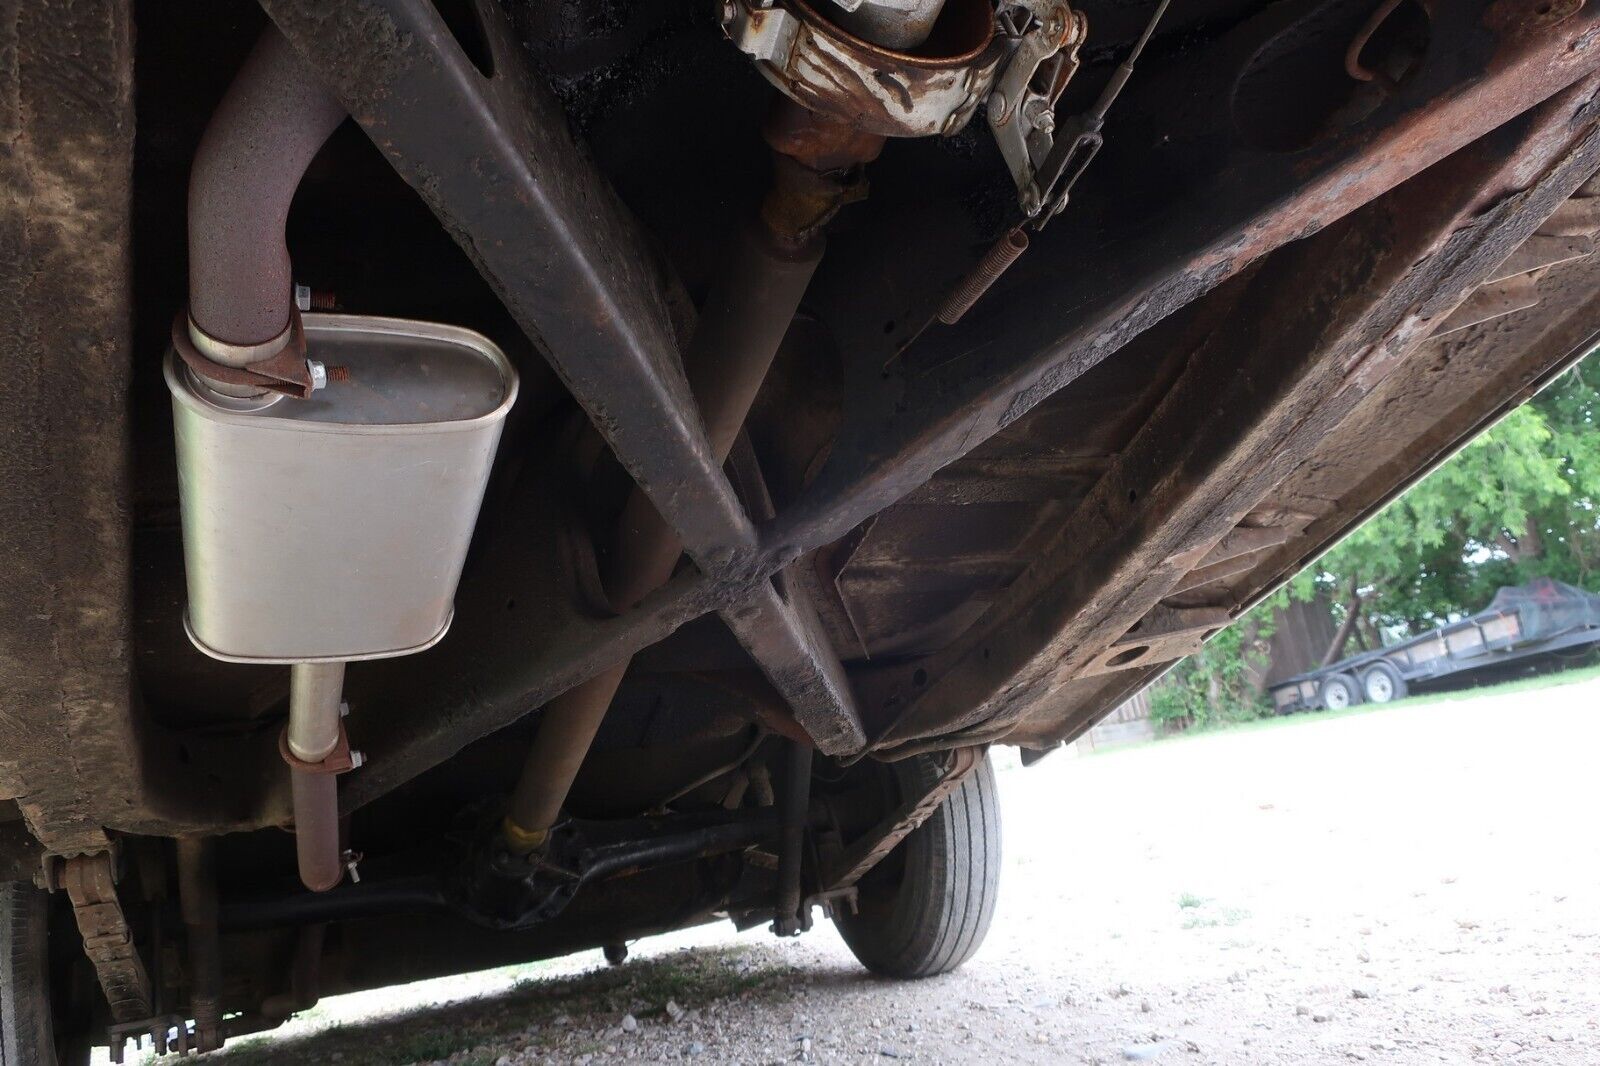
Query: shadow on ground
535	1013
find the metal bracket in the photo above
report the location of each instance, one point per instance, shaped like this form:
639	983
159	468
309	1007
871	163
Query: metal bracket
1022	107
870	850
761	30
340	760
157	1028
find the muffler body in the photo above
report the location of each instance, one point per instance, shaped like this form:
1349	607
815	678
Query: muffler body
335	528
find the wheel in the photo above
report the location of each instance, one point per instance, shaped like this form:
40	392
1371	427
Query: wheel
925	908
1383	683
26	1035
1339	692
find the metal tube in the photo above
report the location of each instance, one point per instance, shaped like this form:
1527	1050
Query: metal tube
417	893
265	132
743	323
315	693
750	307
316	829
897	24
197	901
566	730
745	318
786	917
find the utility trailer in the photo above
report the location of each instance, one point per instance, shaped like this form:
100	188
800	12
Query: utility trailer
1543	617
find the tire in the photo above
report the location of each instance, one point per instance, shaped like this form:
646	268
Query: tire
925	909
1338	692
1383	684
26	1035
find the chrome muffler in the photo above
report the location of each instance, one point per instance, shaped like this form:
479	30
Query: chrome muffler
330	467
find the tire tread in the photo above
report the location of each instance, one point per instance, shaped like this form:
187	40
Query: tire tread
25	1030
946	901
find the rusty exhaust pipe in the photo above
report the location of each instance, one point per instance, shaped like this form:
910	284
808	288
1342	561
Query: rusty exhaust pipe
197	902
816	163
264	134
744	321
254	153
313	735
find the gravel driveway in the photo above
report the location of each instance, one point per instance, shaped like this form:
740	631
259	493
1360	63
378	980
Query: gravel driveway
1418	884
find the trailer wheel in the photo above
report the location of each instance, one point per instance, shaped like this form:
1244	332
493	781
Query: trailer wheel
1383	683
1339	691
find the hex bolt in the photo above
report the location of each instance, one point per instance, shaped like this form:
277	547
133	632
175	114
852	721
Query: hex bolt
319	374
358	759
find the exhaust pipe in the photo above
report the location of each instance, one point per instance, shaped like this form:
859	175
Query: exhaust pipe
263	136
253	154
314	733
314	535
816	163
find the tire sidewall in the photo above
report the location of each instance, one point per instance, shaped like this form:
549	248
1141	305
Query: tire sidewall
27	1037
933	914
1396	685
1344	683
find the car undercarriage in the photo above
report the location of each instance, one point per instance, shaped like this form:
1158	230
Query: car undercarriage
485	480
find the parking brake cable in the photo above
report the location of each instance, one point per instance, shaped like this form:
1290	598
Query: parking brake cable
1022	117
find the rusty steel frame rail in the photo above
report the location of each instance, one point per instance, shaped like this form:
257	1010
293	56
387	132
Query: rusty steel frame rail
492	157
1298	353
1079	295
69	739
493	160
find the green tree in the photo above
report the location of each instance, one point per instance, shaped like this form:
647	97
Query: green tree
1220	684
1521	501
1518	502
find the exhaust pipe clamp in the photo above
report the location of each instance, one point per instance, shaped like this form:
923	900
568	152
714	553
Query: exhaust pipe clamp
286	372
338	761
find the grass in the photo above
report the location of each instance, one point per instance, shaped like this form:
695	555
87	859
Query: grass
1225	916
1201	915
1554	679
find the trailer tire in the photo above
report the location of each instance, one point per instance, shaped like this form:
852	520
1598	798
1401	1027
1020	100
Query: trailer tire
1338	691
1383	684
925	908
